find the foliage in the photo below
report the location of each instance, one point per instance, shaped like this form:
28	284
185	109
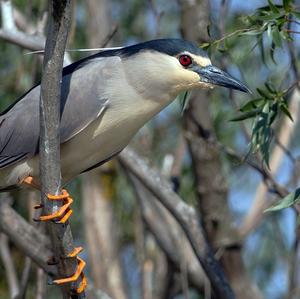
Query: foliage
271	22
264	109
288	201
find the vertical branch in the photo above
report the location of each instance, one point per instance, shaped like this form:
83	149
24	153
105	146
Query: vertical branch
60	234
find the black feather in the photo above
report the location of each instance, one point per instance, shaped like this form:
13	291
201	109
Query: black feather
170	46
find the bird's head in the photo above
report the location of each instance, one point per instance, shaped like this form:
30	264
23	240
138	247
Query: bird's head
173	65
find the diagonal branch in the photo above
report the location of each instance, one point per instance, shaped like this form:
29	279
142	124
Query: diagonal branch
10	32
25	237
9	266
184	214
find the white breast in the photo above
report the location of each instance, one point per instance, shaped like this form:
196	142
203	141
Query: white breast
125	114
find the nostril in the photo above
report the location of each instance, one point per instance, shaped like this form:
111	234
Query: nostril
216	71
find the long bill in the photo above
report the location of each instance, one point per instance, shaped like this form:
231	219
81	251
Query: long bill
213	75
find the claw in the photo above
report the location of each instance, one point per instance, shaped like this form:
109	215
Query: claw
61	216
64	212
78	273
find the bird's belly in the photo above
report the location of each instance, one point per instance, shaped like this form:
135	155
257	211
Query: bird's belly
103	138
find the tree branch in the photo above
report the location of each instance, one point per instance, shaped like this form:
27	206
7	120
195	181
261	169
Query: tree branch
9	266
184	214
168	233
10	32
61	236
25	237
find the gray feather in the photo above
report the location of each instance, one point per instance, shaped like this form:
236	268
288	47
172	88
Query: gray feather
80	105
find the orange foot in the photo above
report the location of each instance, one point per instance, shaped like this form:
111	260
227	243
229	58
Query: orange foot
78	273
63	213
61	216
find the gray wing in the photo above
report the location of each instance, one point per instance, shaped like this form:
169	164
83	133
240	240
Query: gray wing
82	100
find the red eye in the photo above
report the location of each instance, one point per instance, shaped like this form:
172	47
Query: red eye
185	60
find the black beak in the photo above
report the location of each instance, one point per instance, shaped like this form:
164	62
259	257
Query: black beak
213	75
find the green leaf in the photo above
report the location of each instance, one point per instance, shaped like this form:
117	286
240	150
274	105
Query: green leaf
286	202
268	17
253	104
273	7
270	88
285	110
252	32
260	42
246	115
184	99
262	132
263	93
276	37
205	46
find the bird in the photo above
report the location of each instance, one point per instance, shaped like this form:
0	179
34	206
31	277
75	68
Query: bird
105	99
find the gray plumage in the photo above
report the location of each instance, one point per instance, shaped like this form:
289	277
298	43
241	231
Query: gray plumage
19	131
105	99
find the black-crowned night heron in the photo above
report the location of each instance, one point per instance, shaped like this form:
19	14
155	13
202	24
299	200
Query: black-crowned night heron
106	98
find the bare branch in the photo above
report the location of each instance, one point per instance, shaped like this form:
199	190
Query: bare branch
61	236
25	237
10	33
9	266
168	234
184	214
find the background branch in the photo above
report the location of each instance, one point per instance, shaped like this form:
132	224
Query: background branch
9	266
184	214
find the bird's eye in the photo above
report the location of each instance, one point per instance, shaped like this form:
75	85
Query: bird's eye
185	60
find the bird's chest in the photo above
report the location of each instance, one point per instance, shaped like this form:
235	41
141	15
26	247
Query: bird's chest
108	134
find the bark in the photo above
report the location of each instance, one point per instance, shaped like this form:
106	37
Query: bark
10	270
61	237
184	214
168	234
25	237
9	32
210	181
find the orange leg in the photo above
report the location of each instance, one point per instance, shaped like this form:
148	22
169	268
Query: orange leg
63	213
78	273
61	216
